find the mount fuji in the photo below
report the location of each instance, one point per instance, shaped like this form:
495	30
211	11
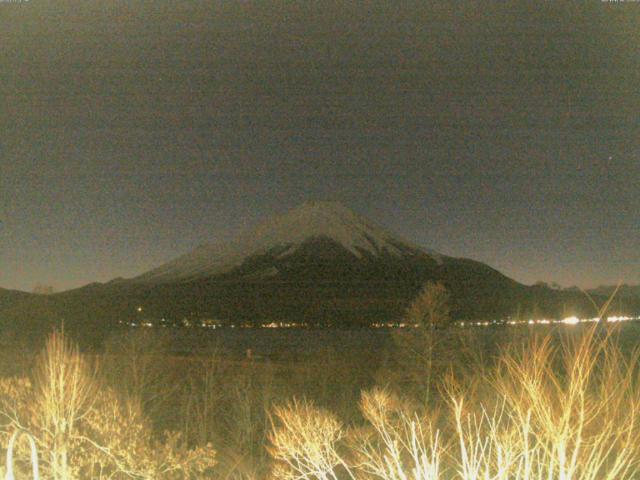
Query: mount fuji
325	230
320	263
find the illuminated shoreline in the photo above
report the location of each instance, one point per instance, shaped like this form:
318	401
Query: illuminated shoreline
193	324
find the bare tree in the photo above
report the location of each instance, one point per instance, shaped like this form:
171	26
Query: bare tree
430	309
67	389
416	345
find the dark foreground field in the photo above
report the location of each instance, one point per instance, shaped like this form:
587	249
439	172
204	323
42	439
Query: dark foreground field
494	402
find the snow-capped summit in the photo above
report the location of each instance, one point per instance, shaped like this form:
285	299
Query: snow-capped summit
331	220
286	234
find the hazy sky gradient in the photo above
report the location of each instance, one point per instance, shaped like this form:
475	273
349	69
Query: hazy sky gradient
130	132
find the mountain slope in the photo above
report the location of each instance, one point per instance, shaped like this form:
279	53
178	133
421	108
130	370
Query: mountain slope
625	291
10	297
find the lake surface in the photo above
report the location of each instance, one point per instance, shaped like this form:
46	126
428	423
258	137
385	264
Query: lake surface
279	343
287	343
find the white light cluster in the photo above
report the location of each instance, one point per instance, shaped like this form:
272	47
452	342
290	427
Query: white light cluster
619	318
283	325
572	320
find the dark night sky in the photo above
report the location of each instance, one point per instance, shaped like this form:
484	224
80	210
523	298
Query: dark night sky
133	131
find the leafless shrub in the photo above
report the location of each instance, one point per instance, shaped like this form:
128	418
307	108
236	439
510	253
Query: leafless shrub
398	443
84	430
305	442
566	412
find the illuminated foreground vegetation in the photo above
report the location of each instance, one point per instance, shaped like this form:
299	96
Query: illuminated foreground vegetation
541	412
83	429
545	407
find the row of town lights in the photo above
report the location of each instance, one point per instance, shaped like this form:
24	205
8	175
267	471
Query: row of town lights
573	320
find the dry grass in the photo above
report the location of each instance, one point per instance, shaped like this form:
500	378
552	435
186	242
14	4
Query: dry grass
561	407
83	429
305	442
399	442
567	412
